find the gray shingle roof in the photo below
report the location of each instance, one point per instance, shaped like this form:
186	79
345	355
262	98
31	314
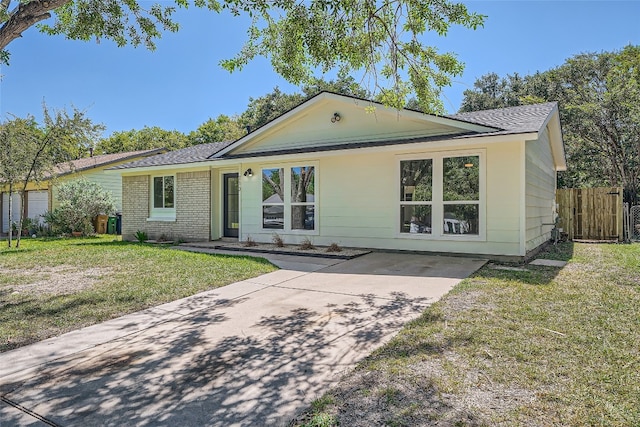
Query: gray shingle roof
193	154
85	163
512	120
521	119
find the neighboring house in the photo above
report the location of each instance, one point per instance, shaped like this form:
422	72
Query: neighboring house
350	171
41	197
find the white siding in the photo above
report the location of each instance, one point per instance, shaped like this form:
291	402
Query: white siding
111	182
37	204
358	203
15	212
540	191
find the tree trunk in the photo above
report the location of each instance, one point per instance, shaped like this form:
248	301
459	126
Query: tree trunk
24	16
21	217
10	213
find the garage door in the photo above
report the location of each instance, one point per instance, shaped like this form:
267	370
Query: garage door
37	204
15	213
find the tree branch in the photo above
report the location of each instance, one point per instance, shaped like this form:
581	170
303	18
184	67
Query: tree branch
4	5
24	16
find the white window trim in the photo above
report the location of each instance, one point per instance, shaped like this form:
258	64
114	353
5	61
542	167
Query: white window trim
162	214
437	204
287	199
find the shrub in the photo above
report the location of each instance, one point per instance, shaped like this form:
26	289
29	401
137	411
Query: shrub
80	201
334	247
306	244
250	242
141	236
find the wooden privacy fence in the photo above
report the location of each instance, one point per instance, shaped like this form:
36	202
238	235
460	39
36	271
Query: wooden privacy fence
591	213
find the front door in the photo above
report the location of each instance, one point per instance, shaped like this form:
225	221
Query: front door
231	205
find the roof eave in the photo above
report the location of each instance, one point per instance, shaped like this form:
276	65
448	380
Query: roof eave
111	162
556	140
447	121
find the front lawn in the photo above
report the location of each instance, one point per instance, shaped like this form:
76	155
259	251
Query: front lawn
534	347
49	287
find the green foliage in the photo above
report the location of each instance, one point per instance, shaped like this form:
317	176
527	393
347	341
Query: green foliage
79	202
223	128
377	38
146	138
599	99
130	278
262	110
141	236
29	151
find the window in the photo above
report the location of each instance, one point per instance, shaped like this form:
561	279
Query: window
292	191
461	194
303	198
163	197
273	199
441	195
416	189
163	192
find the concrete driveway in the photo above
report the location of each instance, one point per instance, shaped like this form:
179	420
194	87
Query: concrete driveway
252	353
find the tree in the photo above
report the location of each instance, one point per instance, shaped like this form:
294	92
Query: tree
146	138
28	151
13	158
599	99
491	91
262	110
378	38
344	84
223	128
79	202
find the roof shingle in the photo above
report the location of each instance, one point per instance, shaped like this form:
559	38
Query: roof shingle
512	120
193	154
521	119
100	160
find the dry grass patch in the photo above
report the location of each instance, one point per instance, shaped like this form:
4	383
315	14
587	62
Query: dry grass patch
539	347
49	287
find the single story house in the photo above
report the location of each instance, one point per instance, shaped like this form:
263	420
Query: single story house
338	169
41	196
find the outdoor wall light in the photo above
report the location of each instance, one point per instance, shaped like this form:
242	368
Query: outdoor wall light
248	172
336	118
468	165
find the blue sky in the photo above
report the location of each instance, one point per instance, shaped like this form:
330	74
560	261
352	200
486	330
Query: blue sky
180	85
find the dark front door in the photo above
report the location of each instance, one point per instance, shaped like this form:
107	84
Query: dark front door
231	205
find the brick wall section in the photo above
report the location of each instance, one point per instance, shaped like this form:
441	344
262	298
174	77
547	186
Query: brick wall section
135	205
193	206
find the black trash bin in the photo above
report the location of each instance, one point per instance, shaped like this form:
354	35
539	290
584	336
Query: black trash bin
118	223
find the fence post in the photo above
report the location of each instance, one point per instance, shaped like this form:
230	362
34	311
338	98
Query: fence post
626	221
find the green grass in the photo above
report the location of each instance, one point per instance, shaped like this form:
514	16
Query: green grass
40	296
544	347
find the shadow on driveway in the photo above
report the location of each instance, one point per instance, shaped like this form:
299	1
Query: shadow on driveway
219	360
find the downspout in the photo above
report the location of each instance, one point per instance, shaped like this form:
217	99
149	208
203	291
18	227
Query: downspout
523	198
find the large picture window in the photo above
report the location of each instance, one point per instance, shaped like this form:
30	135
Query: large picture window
441	195
303	198
461	194
288	198
416	190
273	199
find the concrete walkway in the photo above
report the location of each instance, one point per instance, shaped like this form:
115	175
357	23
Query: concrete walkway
252	353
